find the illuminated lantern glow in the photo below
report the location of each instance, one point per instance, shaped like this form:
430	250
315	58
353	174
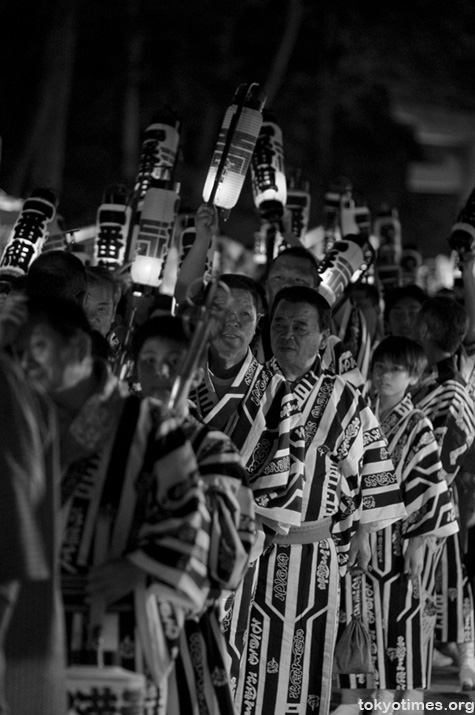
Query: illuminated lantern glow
387	229
113	217
157	161
29	233
269	183
234	148
339	266
157	225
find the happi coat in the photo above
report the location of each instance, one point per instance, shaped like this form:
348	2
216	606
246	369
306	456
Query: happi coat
132	489
287	664
444	398
197	679
400	612
261	416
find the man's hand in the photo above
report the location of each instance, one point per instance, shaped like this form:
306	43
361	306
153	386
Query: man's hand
413	561
360	552
113	580
206	223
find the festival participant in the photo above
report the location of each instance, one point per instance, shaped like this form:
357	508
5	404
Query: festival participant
58	274
32	678
395	595
102	297
401	307
349	487
133	509
199	674
442	395
258	411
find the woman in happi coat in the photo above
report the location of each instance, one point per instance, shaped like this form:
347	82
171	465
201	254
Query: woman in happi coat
258	411
395	595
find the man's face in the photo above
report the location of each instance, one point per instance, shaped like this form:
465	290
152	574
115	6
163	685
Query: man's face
49	360
296	337
402	318
289	271
99	307
159	362
238	326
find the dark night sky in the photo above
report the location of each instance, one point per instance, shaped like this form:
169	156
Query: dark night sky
348	64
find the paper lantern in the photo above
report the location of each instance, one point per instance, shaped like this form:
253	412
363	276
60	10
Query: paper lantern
269	183
235	145
332	209
157	161
298	203
387	229
29	233
155	234
113	217
339	266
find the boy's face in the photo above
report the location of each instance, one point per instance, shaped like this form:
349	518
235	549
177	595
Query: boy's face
391	379
159	362
402	318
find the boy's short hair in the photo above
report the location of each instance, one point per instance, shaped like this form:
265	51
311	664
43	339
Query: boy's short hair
305	294
447	322
401	351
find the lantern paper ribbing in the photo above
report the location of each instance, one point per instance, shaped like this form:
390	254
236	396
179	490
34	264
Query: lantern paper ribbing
29	233
113	217
157	224
235	145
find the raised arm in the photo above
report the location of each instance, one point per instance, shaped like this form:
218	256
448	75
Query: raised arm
193	266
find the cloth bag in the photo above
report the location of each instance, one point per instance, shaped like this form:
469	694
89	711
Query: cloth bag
353	649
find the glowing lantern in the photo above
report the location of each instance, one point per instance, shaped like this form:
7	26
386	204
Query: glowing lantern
339	265
29	233
155	234
234	148
157	161
113	217
267	171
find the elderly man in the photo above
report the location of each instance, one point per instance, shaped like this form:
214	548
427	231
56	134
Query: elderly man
349	485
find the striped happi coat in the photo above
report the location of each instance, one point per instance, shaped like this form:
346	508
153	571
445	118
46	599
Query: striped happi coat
444	398
399	612
132	490
261	415
198	681
288	661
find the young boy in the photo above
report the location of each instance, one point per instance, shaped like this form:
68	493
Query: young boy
396	606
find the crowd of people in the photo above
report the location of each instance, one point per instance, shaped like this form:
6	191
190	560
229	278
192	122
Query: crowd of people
221	544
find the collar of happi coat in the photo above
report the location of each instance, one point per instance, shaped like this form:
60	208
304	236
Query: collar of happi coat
305	384
97	418
216	411
403	409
